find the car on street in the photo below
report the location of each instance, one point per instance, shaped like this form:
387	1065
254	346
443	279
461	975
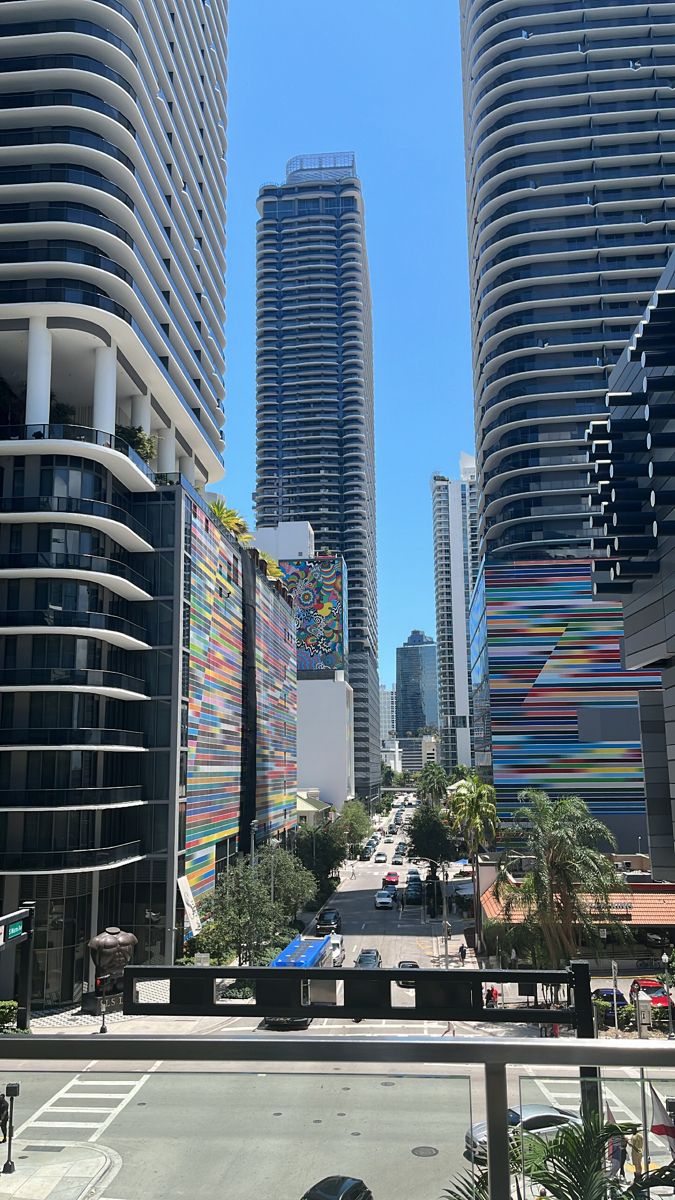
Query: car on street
384	900
397	860
414	894
391	888
365	855
380	856
407	964
541	1119
329	921
652	988
391	877
339	1187
288	1022
368	957
606	996
402	847
337	946
413	873
389	838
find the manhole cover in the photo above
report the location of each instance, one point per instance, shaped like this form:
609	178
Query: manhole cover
425	1151
277	1114
356	1135
317	1122
387	1084
342	1114
347	1089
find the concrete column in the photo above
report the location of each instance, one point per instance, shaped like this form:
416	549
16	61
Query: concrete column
39	373
187	467
166	452
105	388
140	412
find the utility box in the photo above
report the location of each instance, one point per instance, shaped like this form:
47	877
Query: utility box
644	1014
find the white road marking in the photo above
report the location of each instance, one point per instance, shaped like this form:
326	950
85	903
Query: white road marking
68	1102
134	1092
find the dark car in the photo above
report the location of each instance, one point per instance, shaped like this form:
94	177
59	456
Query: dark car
369	957
366	854
407	964
606	995
288	1022
339	1187
329	921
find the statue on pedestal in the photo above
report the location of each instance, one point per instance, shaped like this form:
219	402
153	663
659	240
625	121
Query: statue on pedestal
111	951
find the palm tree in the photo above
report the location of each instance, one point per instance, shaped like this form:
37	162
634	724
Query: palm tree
231	520
474	814
273	569
569	879
432	782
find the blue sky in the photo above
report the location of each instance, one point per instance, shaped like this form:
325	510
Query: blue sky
382	79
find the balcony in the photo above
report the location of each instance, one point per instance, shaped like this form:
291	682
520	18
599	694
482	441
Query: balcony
70	679
116	522
108	572
108	628
47	862
77	738
113	452
49	799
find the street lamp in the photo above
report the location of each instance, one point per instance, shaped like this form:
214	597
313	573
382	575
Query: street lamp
666	967
639	844
254	830
11	1091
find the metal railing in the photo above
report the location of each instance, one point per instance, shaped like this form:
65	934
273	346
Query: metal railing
494	1056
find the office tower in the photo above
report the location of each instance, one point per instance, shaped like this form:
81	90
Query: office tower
568	233
131	754
387	712
315	435
455	532
416	685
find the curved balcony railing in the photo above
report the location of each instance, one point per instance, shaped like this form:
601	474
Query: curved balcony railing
75	433
76	506
58	618
70	677
62	738
42	560
48	798
68	860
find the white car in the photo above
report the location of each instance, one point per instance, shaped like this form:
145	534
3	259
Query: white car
384	900
380	856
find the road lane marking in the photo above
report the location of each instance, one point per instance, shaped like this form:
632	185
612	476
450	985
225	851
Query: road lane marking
127	1099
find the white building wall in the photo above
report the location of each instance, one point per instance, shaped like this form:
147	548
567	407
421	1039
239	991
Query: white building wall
326	738
288	539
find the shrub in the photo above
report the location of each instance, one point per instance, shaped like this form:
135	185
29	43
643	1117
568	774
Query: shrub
141	442
7	1013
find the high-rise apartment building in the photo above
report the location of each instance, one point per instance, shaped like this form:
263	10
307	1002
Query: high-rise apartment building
416	685
570	220
455	533
131	753
387	712
315	419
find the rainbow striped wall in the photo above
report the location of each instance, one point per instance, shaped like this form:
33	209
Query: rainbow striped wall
276	696
563	710
213	608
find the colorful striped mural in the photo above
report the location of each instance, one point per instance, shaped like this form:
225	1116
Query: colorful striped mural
213	608
276	695
548	671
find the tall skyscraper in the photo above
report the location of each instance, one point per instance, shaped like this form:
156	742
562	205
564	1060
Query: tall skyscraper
568	233
315	426
416	685
128	616
455	532
387	711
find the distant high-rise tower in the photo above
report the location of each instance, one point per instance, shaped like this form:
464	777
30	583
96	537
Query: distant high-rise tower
387	711
416	685
315	419
455	528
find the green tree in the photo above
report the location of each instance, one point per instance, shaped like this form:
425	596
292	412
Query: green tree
322	850
290	883
356	824
461	771
566	888
273	569
231	520
429	835
432	782
240	916
386	775
474	815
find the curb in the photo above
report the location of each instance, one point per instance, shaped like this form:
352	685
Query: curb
111	1166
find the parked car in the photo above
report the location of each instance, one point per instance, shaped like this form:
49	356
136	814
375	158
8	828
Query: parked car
339	1187
338	948
384	900
380	856
414	896
391	877
288	1022
606	995
369	957
652	988
366	854
407	964
329	921
413	873
542	1119
391	888
397	860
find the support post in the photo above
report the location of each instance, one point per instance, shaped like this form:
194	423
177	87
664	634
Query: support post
39	372
166	452
589	1077
105	388
141	412
25	980
496	1118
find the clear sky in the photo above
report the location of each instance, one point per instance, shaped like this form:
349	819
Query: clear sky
382	78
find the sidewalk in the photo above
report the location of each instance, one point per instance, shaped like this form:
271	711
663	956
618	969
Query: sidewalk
63	1171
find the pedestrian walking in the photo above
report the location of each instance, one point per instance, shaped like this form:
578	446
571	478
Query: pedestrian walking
462	953
623	1145
402	901
4	1115
450	1028
614	1157
353	874
637	1145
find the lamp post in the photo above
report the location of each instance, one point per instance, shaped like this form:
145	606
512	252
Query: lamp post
639	845
105	980
254	830
11	1091
666	967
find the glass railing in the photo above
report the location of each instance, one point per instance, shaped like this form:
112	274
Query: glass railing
74	433
70	736
72	797
44	560
63	860
76	506
70	676
59	618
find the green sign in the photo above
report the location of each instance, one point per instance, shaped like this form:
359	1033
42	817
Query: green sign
15	929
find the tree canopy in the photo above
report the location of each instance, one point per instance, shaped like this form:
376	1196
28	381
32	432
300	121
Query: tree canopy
284	875
429	835
322	850
241	918
432	782
356	823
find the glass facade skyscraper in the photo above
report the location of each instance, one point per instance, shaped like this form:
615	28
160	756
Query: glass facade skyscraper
416	685
571	199
315	408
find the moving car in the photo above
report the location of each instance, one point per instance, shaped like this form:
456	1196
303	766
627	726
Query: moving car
384	900
542	1119
391	877
388	839
369	957
413	873
338	948
397	860
606	995
652	988
366	854
339	1187
414	894
328	921
380	856
407	964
